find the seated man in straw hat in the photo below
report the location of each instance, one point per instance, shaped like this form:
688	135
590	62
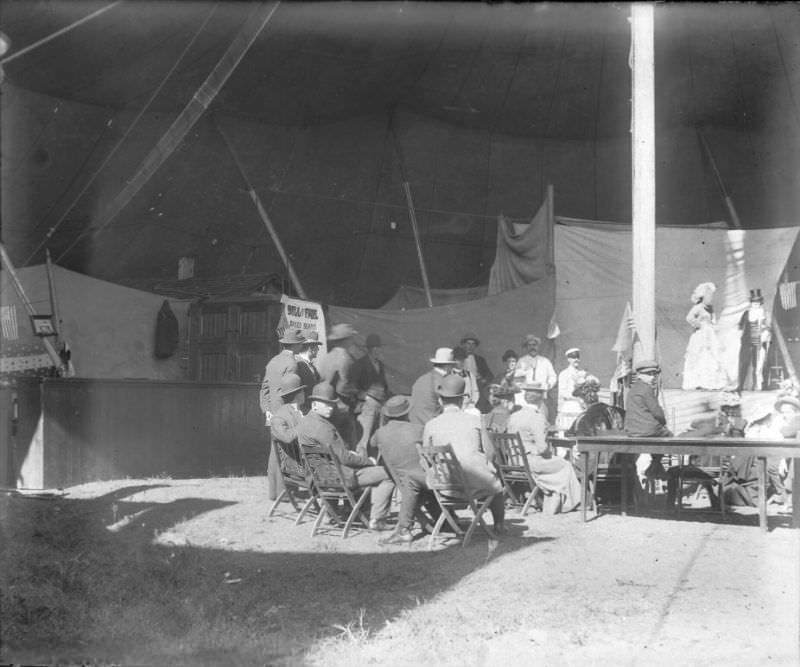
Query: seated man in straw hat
360	471
465	433
397	442
425	392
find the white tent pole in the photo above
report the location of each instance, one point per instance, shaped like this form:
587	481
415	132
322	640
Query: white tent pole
8	266
644	181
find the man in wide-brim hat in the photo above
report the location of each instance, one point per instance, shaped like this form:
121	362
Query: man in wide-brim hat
360	471
424	392
270	399
336	368
464	431
397	442
283	426
477	365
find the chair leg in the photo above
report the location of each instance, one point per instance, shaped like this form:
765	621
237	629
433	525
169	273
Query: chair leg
276	503
478	518
436	528
323	512
528	501
356	511
303	511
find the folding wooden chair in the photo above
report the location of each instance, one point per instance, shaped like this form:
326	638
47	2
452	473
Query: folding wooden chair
296	480
330	488
446	480
512	462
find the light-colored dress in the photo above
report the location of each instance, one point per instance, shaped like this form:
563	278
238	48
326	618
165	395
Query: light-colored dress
702	366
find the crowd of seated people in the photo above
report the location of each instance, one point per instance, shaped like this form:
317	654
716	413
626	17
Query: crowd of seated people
458	401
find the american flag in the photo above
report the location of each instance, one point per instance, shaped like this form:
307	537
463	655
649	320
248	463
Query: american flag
788	291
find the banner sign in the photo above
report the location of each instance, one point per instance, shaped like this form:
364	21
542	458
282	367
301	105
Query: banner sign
304	315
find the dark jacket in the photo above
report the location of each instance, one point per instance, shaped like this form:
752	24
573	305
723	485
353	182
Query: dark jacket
313	429
644	417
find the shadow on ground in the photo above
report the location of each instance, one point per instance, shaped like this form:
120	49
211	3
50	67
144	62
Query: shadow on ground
79	593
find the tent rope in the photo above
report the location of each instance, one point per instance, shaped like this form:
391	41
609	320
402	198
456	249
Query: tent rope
58	33
125	135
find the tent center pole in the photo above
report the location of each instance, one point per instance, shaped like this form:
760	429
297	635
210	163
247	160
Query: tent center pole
643	177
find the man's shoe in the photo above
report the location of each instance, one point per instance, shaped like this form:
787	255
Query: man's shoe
379	524
400	536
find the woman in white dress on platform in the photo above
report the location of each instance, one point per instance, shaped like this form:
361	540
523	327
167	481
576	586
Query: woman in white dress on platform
702	366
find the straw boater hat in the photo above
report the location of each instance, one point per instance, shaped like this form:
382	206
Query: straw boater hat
533	386
341	331
729	399
787	400
573	352
290	385
444	355
396	406
292	336
452	386
324	392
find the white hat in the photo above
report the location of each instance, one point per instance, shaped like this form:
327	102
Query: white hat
444	355
572	350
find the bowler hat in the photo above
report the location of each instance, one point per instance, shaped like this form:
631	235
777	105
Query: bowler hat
452	386
396	406
323	391
341	331
373	340
472	337
648	366
292	336
290	384
503	391
444	355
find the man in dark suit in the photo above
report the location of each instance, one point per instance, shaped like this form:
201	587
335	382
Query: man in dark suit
755	328
309	375
369	369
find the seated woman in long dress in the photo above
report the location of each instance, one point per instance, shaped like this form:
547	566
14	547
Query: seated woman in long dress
702	366
552	474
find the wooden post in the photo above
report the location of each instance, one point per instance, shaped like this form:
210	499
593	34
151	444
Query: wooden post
413	217
728	202
262	213
53	300
644	181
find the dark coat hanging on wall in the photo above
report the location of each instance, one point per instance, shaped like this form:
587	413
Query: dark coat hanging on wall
166	332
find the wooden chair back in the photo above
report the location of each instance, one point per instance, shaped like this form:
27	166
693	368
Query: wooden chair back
515	471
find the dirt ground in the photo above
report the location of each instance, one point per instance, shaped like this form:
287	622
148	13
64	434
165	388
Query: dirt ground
633	590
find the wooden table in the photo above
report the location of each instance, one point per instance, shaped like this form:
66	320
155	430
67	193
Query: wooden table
761	449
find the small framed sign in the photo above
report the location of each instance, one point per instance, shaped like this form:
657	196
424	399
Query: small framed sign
43	325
